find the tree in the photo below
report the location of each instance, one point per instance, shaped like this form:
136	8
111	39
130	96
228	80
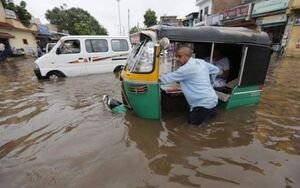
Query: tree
150	18
20	10
76	20
133	30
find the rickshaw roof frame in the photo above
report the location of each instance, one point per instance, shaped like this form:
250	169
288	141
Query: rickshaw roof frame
209	34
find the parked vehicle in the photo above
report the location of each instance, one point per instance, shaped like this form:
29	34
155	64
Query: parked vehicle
83	55
248	51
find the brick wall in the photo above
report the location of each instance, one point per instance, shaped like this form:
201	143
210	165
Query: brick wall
221	5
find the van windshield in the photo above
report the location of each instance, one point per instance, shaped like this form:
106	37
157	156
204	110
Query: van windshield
141	58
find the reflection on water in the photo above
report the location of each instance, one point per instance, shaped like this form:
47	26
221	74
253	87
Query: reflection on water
59	135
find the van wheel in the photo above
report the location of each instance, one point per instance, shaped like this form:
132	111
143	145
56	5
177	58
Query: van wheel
54	76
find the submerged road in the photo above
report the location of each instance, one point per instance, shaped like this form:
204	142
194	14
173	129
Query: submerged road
59	135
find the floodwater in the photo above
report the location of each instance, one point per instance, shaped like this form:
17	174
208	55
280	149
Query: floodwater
60	135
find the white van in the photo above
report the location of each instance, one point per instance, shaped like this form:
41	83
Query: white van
83	55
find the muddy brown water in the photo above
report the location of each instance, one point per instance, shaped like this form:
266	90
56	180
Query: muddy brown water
59	135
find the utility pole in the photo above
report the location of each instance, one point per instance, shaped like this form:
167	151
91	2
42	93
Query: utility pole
119	17
128	22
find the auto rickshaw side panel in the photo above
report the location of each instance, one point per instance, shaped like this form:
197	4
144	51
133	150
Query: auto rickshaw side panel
143	92
252	77
244	96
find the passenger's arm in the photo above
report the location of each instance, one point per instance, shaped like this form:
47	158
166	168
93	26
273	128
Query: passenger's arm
213	71
224	62
224	75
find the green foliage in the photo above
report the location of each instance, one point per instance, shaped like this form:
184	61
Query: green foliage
133	30
76	20
150	18
20	10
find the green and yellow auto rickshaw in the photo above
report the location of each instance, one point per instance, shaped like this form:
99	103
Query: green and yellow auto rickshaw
248	51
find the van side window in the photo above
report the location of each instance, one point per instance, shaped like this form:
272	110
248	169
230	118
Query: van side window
96	45
119	45
70	47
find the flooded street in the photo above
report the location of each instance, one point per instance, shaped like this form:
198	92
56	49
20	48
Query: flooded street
60	135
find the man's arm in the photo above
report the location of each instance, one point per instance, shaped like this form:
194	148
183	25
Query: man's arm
176	76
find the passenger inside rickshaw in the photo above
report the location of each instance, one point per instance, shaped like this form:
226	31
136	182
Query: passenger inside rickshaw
171	95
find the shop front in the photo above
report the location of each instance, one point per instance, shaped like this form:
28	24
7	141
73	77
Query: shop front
275	26
271	18
43	36
239	17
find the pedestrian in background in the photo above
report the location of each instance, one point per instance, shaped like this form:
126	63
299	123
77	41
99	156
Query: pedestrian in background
2	47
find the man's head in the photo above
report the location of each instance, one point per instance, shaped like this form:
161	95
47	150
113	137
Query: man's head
183	54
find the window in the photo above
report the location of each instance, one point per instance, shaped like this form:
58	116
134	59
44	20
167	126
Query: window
96	45
206	10
69	47
145	59
25	41
200	16
119	45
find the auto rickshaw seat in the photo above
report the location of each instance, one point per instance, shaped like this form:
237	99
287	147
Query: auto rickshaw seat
224	93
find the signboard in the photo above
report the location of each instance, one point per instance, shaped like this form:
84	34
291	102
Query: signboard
269	6
43	30
10	14
214	19
271	19
237	12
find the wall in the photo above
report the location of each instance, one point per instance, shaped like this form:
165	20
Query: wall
209	4
296	4
17	24
2	13
17	42
294	40
221	5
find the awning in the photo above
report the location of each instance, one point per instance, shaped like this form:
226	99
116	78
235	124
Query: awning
273	25
43	31
6	35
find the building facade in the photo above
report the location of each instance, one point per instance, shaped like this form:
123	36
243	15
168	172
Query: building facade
14	35
292	31
190	19
210	7
271	18
279	18
171	21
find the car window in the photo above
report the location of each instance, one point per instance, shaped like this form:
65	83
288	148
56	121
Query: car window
119	45
96	45
70	47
